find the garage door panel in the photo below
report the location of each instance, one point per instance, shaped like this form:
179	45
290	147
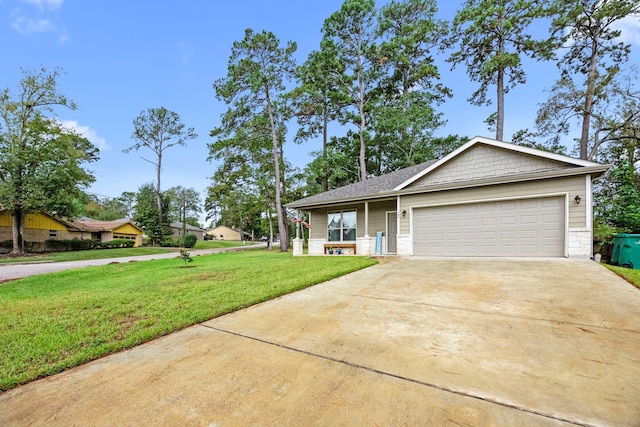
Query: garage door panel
529	227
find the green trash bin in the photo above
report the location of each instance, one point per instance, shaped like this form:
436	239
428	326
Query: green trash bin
626	250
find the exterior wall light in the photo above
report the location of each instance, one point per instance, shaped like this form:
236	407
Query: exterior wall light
577	199
404	213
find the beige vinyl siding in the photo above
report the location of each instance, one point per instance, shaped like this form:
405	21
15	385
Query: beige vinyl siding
573	185
483	161
377	215
377	221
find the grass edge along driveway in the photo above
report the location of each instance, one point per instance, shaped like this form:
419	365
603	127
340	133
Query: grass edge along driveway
56	321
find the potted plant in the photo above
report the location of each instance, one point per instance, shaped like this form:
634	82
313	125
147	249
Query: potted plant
339	251
330	250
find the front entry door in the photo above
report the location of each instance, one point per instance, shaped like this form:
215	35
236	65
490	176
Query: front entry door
392	231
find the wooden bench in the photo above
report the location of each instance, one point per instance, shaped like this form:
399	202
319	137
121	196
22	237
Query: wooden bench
339	246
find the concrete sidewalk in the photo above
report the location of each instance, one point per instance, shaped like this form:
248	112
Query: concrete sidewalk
406	342
20	270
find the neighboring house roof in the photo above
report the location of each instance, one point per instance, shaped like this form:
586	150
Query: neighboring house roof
91	225
400	181
187	226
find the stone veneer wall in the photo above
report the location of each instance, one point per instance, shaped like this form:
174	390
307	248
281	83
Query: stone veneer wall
580	243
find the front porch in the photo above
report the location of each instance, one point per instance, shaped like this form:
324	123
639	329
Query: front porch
353	229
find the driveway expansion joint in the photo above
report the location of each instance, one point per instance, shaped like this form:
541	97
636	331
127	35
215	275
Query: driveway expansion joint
400	377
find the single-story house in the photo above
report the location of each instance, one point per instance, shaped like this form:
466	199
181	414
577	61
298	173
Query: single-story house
106	231
41	226
222	232
487	198
176	230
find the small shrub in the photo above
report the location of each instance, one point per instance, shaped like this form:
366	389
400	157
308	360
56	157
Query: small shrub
190	240
169	242
186	256
118	243
55	245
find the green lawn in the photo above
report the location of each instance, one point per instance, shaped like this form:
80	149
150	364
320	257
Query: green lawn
90	254
114	253
631	276
55	321
211	244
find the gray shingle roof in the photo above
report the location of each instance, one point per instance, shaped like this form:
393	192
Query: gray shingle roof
364	189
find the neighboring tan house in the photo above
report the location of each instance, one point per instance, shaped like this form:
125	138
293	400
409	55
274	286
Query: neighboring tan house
176	230
40	226
222	232
487	198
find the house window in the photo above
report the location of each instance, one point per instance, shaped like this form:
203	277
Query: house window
342	226
53	233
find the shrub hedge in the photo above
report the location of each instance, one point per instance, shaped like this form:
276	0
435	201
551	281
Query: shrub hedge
53	245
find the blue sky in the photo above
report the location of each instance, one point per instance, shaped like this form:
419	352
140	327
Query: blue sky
122	57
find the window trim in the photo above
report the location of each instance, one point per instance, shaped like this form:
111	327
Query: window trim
342	228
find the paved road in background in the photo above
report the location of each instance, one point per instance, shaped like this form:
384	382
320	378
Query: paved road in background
18	271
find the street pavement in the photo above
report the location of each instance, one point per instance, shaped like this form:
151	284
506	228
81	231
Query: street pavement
20	270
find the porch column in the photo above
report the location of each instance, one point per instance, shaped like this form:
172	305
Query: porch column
298	244
366	219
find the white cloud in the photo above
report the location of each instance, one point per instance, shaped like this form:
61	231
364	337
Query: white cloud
86	132
186	53
630	29
30	26
45	4
64	36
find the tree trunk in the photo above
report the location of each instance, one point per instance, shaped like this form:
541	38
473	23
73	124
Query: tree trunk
363	127
500	112
269	242
184	215
18	232
500	91
588	102
282	224
325	136
158	198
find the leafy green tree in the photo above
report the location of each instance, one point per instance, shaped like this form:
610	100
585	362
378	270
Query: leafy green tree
617	202
128	199
317	101
349	35
41	162
337	165
254	88
404	118
492	37
146	212
112	209
594	55
242	190
158	129
184	203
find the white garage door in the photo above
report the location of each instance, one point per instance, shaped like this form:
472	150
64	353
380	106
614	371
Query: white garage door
517	228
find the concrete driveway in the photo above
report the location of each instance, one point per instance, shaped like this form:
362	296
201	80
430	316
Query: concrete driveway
407	342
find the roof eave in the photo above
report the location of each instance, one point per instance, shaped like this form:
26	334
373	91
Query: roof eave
595	171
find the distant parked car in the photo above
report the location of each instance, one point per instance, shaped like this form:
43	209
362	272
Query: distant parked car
264	238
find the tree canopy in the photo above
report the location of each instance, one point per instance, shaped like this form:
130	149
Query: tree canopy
159	129
42	163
